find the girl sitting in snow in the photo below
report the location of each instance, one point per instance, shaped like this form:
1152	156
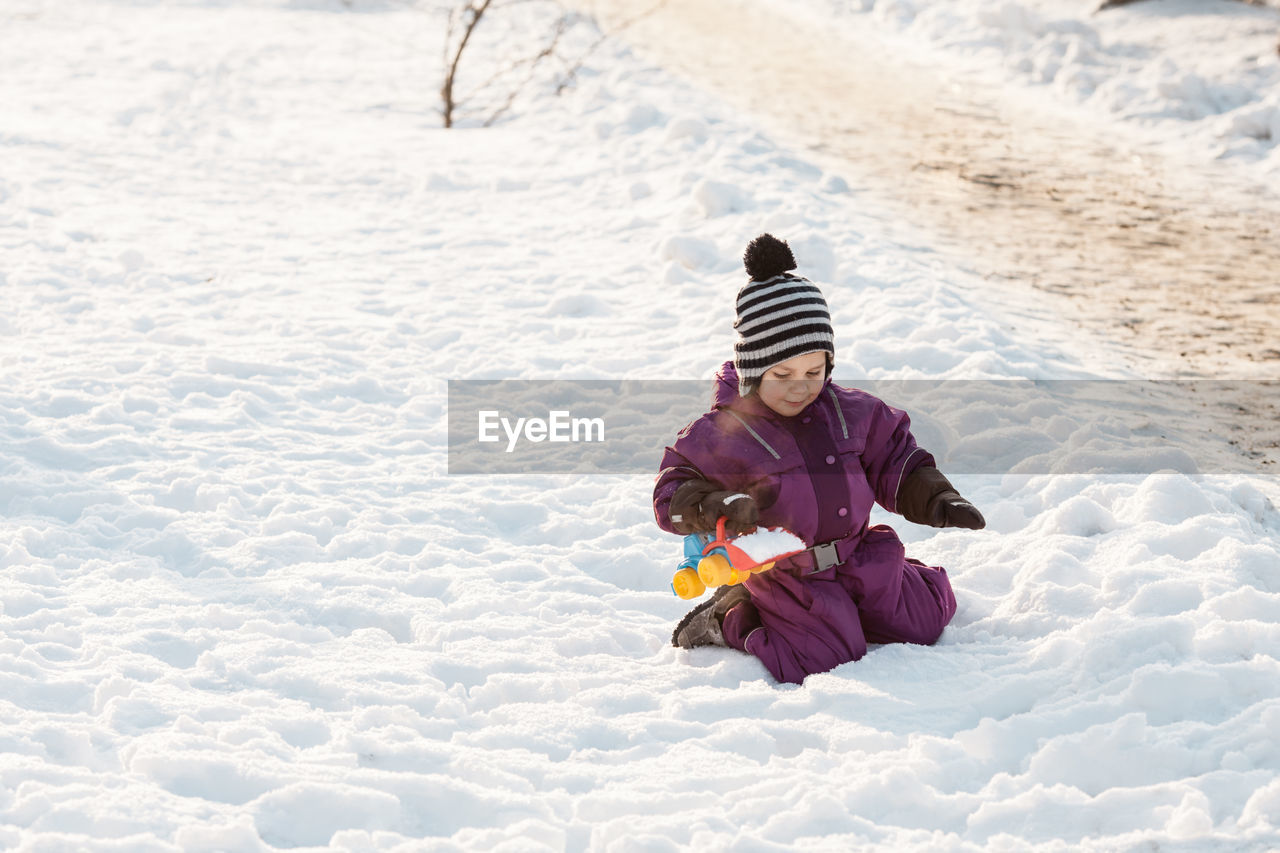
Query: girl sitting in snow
784	446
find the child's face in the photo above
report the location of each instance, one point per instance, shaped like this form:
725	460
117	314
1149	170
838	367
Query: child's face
789	386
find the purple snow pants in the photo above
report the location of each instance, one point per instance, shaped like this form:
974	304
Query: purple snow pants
799	625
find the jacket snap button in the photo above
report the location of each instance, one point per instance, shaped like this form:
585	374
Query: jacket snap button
842	512
805	420
831	460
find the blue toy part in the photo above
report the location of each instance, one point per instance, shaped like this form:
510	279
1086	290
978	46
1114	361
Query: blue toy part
687	583
693	545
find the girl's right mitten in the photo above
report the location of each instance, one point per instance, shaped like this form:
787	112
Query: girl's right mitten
697	505
738	508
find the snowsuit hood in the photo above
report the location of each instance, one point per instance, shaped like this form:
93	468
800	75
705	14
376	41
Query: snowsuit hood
725	392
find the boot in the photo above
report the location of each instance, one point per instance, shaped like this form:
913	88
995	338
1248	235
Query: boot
701	625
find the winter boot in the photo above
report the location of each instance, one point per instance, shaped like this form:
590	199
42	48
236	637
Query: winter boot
701	625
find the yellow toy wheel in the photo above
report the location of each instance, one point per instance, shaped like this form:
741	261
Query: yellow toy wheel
715	570
687	584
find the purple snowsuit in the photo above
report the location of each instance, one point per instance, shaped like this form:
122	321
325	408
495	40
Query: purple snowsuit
816	474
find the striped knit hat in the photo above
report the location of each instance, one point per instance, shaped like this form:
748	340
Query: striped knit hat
780	316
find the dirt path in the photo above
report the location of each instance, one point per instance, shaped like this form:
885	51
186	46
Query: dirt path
1173	262
1166	259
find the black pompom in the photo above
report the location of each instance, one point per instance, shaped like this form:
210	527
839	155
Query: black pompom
767	256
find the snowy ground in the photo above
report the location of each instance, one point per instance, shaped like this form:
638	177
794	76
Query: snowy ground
245	607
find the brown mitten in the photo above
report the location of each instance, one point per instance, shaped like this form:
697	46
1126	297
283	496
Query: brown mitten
697	505
927	497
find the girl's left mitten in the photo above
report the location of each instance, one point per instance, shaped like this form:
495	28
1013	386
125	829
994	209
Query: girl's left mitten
927	497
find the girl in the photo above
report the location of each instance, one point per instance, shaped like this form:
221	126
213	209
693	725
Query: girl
784	446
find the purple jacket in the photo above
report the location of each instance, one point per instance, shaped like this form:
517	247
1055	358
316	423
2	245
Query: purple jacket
816	473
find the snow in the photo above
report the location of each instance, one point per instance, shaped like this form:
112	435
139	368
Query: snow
244	607
763	545
1198	78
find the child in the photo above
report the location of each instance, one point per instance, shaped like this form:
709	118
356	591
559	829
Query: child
784	446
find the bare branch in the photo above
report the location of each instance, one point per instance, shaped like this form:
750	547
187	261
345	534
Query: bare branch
446	90
549	50
466	18
573	70
529	61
